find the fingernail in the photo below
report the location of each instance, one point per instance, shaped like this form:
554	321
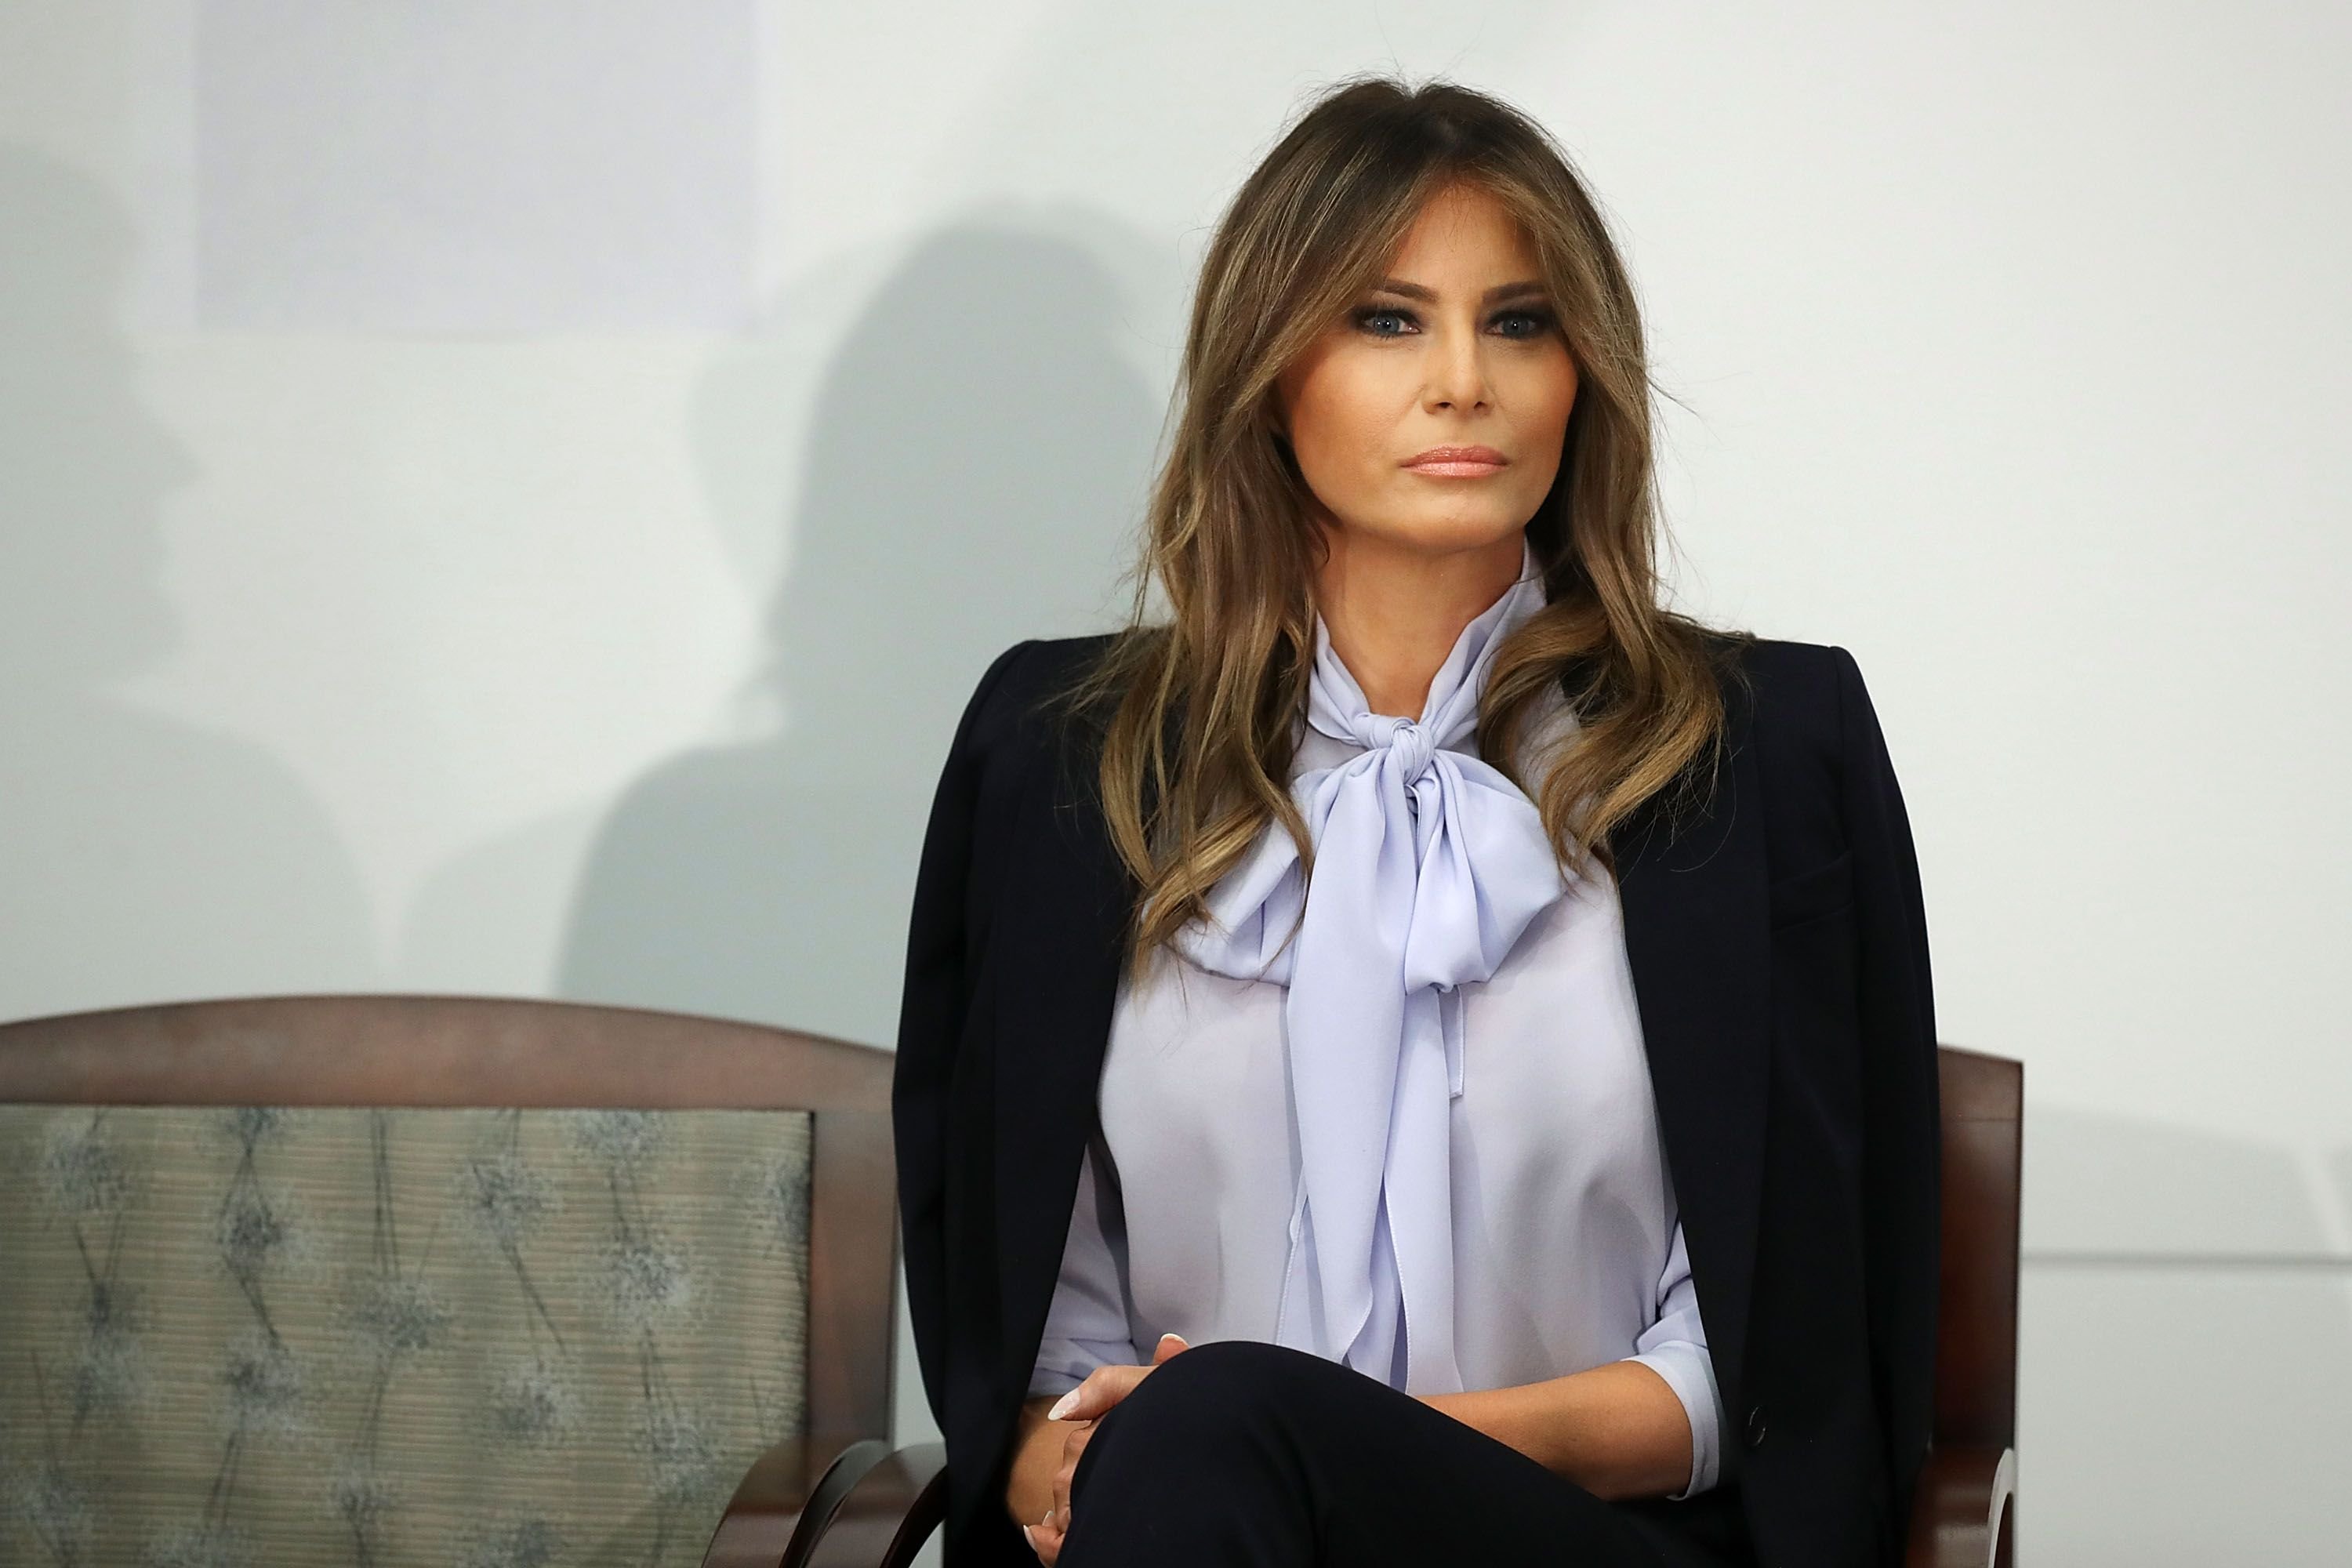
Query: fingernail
1177	1338
1064	1406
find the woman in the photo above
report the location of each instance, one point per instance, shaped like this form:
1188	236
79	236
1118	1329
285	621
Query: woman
1558	1181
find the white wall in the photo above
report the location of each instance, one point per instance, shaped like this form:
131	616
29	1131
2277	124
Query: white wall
501	504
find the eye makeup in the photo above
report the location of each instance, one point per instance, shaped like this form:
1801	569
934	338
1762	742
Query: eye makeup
1363	317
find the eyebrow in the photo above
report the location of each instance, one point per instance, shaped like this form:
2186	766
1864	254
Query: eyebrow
1500	290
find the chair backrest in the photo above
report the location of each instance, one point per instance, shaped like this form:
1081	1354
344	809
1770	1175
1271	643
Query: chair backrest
1975	1340
394	1279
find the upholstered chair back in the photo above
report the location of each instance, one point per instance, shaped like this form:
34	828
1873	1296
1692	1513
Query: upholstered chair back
407	1281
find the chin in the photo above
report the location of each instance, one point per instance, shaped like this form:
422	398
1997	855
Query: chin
1453	531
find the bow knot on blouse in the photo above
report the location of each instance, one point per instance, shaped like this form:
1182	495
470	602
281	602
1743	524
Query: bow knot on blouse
1410	746
1429	864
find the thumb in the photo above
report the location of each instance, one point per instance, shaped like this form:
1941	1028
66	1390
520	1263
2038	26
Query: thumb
1169	1343
1104	1387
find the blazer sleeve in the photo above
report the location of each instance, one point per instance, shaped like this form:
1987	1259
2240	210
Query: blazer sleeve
1902	1132
936	994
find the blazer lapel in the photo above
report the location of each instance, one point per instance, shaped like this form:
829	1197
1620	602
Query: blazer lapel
1697	935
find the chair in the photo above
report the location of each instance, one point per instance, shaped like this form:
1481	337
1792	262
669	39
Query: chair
406	1280
1965	1511
1964	1514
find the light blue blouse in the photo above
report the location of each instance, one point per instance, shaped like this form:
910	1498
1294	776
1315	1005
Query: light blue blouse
1567	1251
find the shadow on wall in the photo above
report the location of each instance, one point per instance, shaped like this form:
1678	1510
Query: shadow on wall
2185	1356
140	858
976	461
2107	1186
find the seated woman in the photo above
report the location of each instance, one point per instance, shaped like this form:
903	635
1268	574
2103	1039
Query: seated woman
1426	1055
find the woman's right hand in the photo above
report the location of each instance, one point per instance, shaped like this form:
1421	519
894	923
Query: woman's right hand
1081	1408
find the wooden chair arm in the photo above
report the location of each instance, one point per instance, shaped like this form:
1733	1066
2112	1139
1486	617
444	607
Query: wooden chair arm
1964	1514
785	1498
888	1514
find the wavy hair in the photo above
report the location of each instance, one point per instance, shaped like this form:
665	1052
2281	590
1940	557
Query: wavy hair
1193	718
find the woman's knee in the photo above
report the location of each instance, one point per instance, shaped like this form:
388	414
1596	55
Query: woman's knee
1208	1439
1215	1393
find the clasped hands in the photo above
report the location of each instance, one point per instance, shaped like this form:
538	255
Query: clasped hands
1081	1407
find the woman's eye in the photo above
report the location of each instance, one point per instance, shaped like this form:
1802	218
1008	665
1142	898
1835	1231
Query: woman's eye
1388	322
1371	318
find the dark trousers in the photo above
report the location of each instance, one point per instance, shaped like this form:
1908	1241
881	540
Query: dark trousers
1237	1454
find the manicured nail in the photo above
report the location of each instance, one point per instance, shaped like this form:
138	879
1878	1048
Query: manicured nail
1064	1406
1177	1337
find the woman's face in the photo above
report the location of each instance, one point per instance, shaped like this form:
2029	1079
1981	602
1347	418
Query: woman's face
1458	347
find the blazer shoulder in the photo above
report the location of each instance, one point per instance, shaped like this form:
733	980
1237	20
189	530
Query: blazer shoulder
1051	663
1791	670
1006	702
1793	693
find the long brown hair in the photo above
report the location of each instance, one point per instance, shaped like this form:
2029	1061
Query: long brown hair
1194	715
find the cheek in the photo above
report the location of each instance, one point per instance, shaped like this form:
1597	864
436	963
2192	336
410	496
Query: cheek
1544	399
1547	391
1343	411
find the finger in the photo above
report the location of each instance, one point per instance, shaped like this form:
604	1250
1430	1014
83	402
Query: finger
1169	1345
1058	1516
1047	1543
1104	1387
1079	1403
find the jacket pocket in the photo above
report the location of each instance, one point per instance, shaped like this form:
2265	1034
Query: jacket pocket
1813	891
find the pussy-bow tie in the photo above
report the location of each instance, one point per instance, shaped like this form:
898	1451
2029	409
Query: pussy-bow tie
1429	864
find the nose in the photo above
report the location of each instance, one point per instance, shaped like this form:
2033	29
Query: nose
1456	369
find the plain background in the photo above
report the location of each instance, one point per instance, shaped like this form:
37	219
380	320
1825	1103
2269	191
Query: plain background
512	497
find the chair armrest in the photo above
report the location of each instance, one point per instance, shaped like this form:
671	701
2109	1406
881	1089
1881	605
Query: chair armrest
800	1480
888	1513
1964	1514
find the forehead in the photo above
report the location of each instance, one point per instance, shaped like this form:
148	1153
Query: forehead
1461	230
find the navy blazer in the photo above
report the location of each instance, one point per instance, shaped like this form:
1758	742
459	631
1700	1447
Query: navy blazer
1779	950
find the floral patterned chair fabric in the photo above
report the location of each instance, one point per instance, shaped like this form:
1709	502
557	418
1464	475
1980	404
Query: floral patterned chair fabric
503	1336
301	1336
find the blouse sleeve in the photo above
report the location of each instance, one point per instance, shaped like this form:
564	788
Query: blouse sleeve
1086	1323
1674	1347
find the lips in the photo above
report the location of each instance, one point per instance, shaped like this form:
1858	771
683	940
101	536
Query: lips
1464	462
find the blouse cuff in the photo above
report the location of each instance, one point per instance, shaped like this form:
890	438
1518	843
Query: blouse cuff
1062	1364
1689	1370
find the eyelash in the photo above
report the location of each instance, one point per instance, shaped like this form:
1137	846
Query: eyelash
1363	316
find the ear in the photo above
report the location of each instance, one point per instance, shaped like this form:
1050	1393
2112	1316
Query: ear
1276	411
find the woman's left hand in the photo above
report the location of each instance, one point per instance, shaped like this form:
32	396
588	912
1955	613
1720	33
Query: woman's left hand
1081	1407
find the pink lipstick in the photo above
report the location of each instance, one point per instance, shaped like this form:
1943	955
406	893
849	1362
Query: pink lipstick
1457	462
